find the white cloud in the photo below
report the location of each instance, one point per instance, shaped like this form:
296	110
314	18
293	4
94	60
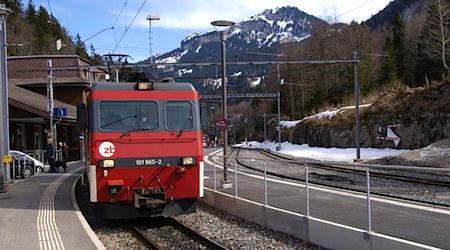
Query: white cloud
198	14
91	19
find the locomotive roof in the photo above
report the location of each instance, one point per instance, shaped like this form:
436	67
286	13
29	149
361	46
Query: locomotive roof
161	86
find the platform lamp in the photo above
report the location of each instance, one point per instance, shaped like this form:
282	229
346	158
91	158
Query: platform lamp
221	27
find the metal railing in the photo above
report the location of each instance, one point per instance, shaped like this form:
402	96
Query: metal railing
21	167
306	165
39	154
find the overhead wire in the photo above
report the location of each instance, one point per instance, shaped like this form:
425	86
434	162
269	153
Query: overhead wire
354	9
128	27
422	8
109	28
98	33
120	13
50	8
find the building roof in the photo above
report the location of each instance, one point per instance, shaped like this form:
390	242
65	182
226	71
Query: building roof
66	81
36	103
31	72
34	68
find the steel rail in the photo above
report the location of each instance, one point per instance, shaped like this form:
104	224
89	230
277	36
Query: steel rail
195	235
312	163
176	225
147	241
362	172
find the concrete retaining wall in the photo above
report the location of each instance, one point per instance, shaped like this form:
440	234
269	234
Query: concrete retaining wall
320	232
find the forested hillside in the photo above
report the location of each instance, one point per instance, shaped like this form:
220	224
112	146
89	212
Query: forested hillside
403	76
33	31
410	49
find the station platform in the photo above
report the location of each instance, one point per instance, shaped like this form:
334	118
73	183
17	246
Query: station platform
41	212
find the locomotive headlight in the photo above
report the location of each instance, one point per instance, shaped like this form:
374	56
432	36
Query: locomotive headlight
189	161
143	86
107	163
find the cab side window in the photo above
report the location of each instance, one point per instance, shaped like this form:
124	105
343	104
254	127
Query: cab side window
179	115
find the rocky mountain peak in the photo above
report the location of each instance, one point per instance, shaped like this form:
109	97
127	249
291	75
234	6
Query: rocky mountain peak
264	33
270	28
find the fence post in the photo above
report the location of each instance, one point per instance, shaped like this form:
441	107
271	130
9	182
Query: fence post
265	184
369	212
14	170
214	173
235	178
307	190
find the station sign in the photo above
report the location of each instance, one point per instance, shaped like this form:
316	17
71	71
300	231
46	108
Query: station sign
59	112
222	123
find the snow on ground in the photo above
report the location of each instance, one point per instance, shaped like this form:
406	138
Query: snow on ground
325	154
326	114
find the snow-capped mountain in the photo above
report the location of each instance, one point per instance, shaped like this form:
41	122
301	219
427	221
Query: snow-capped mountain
248	40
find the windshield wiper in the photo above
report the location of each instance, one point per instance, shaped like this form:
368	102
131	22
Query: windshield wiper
131	130
184	125
119	120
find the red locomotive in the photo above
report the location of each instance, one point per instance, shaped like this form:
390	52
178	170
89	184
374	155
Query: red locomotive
144	154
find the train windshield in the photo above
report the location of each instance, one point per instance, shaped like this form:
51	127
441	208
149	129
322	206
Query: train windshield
179	116
129	115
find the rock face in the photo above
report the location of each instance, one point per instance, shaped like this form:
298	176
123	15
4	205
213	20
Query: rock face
419	117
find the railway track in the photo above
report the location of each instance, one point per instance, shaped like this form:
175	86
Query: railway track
192	239
353	178
373	173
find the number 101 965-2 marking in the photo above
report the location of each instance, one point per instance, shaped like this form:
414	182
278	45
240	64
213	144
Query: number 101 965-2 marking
149	162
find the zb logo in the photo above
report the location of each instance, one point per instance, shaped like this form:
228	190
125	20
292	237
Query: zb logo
106	149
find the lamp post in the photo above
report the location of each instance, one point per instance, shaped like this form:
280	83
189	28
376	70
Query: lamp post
211	109
221	26
4	111
52	131
151	18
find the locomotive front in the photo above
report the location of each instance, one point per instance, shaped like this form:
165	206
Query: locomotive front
145	154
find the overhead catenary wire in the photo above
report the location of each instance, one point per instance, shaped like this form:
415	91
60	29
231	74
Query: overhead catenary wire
128	27
98	33
109	28
120	13
354	8
50	8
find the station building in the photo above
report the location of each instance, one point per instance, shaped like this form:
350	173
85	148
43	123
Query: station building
29	116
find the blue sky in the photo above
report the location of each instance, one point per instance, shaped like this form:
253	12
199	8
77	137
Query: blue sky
120	26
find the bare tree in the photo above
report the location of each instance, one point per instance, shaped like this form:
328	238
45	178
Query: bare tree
437	27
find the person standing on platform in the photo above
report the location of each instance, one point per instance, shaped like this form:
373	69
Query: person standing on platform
65	155
51	155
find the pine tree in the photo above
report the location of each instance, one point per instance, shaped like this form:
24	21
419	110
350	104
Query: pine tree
389	69
30	12
80	48
95	58
43	32
398	50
